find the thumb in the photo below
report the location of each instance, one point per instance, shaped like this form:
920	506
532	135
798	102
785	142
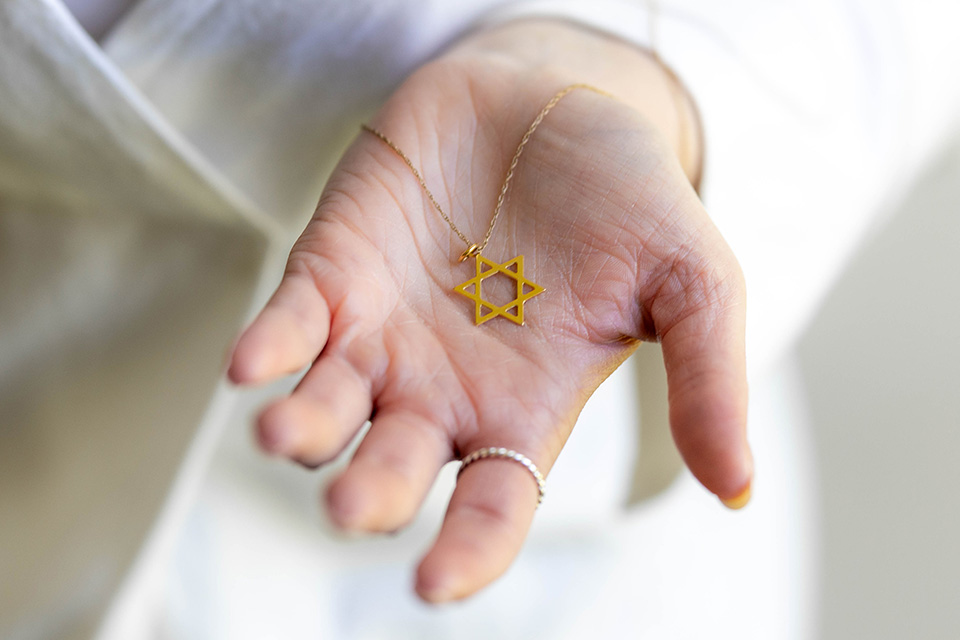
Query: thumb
701	325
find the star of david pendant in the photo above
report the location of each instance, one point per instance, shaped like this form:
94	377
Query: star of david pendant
512	269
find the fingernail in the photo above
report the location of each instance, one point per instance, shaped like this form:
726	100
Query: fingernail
738	501
436	594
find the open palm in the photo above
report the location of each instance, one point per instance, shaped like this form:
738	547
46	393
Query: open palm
608	225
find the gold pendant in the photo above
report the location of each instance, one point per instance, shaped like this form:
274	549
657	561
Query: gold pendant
494	268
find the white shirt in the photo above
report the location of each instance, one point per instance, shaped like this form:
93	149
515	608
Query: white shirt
149	189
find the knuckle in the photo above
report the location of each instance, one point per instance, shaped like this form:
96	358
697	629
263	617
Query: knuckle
488	517
694	280
303	264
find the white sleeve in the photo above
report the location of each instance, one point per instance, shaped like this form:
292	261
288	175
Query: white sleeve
630	21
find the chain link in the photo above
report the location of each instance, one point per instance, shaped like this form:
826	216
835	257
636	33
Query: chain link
476	249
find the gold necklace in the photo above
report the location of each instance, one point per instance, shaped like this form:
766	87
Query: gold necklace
485	268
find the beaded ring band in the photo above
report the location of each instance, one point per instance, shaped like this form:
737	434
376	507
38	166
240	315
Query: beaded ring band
508	454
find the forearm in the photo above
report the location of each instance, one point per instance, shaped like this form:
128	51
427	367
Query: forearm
571	53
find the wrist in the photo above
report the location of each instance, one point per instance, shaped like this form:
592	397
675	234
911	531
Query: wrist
568	53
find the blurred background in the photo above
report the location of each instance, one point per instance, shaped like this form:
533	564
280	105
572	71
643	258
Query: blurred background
881	365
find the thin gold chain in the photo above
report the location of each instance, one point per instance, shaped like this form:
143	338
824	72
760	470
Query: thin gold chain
416	173
476	249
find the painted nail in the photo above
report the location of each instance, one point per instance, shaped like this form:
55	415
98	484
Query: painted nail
738	501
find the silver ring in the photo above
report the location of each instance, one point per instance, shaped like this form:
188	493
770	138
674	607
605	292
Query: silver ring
508	454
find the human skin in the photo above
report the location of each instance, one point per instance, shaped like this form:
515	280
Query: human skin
602	209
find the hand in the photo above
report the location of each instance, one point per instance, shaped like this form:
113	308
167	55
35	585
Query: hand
608	223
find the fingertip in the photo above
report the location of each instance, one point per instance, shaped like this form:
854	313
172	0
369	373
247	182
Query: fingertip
247	362
287	335
274	345
433	586
276	428
739	500
364	503
346	506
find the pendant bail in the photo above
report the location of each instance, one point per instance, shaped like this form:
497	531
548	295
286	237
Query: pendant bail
471	252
